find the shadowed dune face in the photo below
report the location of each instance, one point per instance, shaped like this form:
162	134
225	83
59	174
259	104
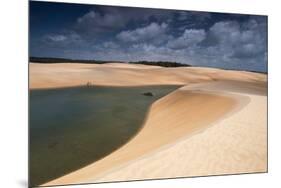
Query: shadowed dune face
190	109
236	143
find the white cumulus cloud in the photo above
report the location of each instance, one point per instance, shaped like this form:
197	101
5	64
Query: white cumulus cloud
57	38
150	32
189	38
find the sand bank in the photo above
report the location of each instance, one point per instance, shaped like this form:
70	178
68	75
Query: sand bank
236	144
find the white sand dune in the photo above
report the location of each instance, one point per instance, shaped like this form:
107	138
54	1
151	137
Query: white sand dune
216	124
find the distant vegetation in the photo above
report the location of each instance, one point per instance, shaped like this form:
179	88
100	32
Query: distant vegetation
63	60
161	63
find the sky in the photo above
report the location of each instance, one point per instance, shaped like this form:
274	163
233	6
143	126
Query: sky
80	31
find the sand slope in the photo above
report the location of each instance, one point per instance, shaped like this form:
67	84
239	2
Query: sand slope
236	144
216	124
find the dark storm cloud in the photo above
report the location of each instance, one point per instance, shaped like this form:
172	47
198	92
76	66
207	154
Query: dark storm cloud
131	34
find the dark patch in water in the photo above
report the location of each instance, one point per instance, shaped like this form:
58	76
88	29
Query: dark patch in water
150	94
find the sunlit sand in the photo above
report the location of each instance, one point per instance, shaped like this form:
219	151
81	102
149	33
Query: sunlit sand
215	124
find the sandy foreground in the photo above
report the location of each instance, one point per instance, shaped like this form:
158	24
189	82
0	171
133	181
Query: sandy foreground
215	124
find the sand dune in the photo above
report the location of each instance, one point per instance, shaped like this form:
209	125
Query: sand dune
160	129
216	124
118	74
235	144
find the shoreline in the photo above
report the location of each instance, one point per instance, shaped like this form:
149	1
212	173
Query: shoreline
128	153
215	94
106	86
101	120
209	149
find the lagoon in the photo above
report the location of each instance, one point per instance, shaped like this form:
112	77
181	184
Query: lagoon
74	127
